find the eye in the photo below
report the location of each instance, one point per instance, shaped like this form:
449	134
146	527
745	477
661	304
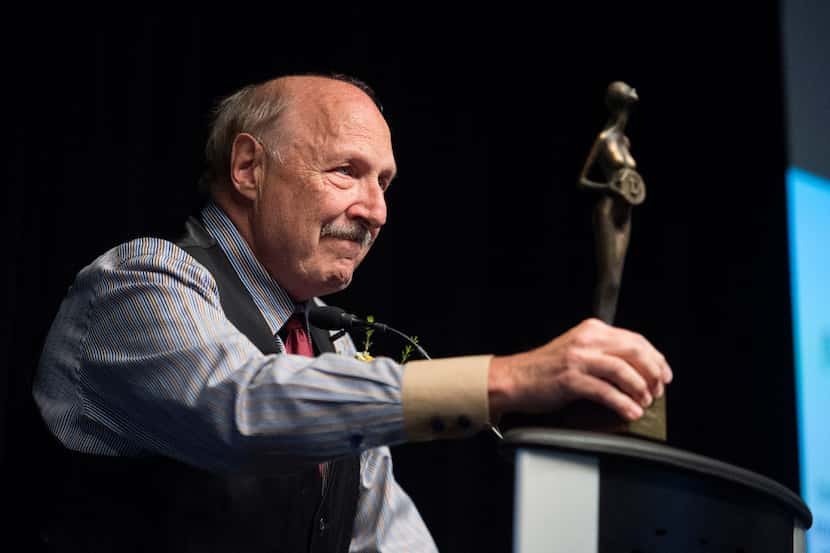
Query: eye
347	170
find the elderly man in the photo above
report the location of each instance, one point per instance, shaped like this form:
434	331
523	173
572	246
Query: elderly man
199	411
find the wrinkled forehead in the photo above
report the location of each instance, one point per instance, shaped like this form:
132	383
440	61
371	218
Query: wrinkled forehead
326	107
338	121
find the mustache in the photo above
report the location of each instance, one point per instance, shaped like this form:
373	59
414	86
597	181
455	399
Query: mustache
352	231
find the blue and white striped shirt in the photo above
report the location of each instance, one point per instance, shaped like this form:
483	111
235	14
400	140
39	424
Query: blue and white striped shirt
141	360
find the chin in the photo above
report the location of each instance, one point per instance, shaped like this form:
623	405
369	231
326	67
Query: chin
337	281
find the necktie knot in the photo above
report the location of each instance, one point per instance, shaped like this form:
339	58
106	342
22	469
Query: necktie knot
293	324
295	336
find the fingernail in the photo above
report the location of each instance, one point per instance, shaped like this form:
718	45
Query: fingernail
647	400
636	412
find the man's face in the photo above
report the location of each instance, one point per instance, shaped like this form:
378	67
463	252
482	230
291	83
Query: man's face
321	203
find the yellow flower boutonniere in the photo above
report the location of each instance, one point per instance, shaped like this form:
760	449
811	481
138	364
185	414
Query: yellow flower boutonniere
363	356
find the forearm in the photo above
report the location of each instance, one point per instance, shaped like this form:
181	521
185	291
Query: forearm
264	410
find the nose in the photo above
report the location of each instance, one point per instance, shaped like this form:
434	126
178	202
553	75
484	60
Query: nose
371	206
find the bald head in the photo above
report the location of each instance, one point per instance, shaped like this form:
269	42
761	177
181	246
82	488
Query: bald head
258	109
318	110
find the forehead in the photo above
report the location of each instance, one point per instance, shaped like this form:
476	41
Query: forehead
331	115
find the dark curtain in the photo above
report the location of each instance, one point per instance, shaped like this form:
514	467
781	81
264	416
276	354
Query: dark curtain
488	246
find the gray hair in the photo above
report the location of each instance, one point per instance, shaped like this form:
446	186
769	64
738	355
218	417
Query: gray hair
253	109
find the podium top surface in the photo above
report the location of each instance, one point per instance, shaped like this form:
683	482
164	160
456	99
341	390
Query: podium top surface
611	445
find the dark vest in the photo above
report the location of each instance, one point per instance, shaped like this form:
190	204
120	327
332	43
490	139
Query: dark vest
158	504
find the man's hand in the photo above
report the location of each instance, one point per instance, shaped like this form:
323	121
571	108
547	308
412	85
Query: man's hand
595	361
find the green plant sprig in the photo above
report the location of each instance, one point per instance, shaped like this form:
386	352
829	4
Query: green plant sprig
367	343
408	349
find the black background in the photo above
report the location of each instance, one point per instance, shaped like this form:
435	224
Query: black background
488	248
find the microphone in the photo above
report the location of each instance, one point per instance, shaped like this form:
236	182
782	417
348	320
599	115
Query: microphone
329	317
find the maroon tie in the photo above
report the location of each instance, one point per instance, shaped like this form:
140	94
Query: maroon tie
298	342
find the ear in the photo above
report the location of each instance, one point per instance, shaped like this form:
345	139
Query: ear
247	165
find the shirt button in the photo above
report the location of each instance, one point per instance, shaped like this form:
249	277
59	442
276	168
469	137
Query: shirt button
322	525
438	425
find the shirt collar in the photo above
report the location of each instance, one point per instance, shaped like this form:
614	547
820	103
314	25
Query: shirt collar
270	298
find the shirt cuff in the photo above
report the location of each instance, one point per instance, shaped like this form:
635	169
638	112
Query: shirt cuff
445	398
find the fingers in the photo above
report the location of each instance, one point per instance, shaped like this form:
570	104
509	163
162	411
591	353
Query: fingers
595	361
599	391
620	373
631	347
639	353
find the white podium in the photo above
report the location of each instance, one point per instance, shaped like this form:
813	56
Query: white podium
585	492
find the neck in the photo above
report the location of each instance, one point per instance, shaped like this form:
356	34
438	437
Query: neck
619	120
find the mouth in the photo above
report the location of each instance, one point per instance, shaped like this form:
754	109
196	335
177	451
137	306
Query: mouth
356	233
345	249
